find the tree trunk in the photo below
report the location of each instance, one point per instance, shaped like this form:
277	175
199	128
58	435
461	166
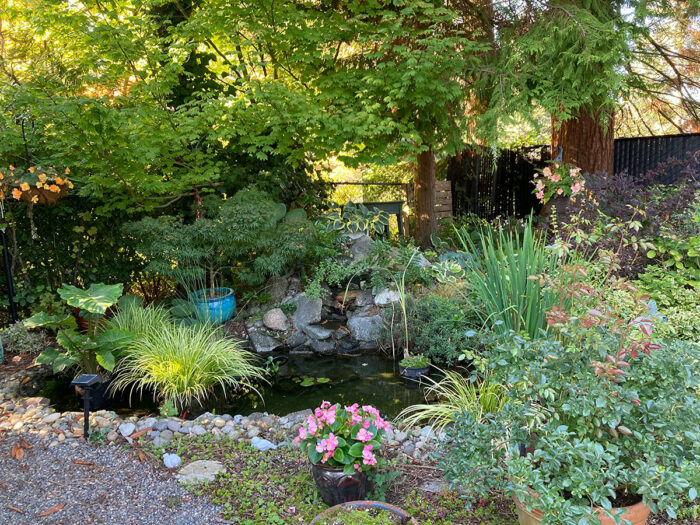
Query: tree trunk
426	223
586	141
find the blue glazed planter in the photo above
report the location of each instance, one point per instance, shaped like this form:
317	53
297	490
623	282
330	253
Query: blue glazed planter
215	310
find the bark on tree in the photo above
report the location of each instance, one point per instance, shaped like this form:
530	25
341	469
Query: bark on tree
587	141
424	194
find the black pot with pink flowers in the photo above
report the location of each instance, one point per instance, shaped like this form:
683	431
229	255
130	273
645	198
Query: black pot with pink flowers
343	444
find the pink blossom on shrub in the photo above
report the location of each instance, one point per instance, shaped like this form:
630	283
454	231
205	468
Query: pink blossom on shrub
367	457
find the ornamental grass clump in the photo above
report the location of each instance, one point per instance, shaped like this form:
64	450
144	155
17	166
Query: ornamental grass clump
184	364
503	294
343	437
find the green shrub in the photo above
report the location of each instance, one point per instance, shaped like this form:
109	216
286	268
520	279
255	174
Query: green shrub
438	327
183	364
249	232
677	300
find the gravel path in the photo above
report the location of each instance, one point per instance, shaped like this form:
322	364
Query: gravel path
110	486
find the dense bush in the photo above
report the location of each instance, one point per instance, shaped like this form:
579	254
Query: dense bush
438	327
676	303
659	211
16	339
248	237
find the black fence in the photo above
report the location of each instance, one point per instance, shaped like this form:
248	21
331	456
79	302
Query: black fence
491	185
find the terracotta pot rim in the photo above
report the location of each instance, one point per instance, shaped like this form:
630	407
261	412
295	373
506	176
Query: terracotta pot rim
537	513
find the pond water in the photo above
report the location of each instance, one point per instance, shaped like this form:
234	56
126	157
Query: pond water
365	379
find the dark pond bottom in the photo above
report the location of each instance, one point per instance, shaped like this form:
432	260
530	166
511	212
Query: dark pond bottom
302	382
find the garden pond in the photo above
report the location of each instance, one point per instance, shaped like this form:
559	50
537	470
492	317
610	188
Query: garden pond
302	381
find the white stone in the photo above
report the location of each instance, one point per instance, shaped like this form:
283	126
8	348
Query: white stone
262	444
198	471
385	297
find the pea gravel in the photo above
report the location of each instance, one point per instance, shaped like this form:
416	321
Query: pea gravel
111	486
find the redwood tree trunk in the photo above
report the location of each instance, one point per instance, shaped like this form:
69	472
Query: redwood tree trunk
587	141
424	194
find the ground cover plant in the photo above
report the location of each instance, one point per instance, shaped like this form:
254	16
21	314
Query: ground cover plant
277	487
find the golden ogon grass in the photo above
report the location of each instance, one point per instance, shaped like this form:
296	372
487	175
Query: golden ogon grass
455	394
184	364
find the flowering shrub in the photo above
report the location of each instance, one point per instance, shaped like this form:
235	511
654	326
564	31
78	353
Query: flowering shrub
348	437
26	184
558	180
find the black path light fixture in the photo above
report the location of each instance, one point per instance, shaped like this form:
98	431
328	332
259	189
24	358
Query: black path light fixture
85	382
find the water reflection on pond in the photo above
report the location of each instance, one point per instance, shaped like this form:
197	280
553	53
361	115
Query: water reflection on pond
365	379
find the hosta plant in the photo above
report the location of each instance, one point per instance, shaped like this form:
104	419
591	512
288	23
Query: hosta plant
91	349
599	416
345	437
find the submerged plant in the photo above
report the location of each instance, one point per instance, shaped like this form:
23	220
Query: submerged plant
455	394
183	364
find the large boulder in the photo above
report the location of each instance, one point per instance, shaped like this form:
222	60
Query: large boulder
308	310
277	288
366	324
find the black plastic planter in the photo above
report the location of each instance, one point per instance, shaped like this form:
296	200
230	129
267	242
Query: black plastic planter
412	372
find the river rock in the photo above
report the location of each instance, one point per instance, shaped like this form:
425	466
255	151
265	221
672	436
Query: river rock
364	298
323	347
385	297
126	429
365	325
263	343
171	460
308	310
198	471
295	338
262	444
276	320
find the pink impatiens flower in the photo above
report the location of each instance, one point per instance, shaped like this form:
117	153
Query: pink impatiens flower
556	177
576	188
540	196
559	191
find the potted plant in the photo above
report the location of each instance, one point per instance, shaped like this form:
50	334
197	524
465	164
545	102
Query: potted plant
89	352
601	425
34	185
342	444
363	512
414	366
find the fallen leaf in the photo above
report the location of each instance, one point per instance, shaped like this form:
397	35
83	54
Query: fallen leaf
83	462
17	452
17	359
26	380
52	510
140	433
24	443
142	456
11	507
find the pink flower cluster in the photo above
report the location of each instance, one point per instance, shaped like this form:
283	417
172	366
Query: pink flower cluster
350	425
558	181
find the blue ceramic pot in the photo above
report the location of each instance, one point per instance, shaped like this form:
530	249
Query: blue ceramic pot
215	310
